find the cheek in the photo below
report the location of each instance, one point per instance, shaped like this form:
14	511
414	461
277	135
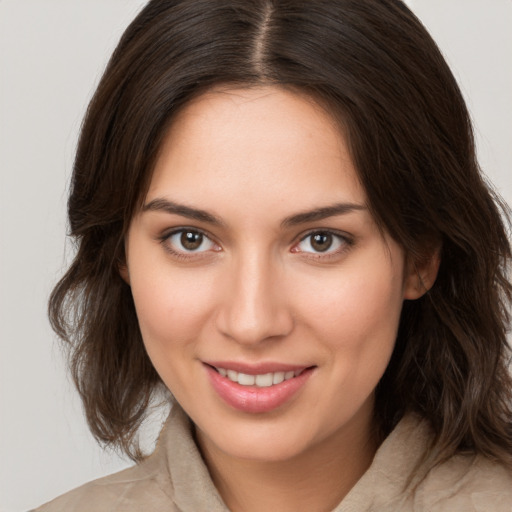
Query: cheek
356	323
355	312
172	306
351	303
172	311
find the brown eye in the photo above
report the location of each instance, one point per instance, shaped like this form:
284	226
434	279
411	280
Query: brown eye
321	242
191	241
188	241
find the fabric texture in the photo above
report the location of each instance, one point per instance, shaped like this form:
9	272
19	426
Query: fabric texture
175	479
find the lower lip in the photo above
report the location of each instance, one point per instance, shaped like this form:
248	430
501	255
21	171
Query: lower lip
253	399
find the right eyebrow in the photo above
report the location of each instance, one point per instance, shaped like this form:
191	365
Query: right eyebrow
322	213
164	205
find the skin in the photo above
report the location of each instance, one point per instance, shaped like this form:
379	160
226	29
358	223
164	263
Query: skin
257	290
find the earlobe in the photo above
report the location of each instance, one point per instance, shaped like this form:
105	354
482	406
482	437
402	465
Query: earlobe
421	275
124	273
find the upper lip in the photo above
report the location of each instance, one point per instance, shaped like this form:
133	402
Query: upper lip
257	368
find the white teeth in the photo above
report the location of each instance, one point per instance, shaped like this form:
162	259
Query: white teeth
263	380
278	378
246	380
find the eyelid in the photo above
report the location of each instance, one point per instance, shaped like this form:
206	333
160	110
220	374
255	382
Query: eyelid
167	234
347	242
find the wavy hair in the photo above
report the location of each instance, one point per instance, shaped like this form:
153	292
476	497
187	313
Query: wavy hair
375	67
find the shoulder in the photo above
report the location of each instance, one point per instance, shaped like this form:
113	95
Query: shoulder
128	490
171	476
467	483
401	479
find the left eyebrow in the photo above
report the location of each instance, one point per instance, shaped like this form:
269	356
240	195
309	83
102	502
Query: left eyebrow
321	213
163	205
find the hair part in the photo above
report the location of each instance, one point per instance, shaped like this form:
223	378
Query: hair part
382	78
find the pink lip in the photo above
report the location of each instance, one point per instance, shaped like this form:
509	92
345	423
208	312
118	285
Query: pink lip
253	399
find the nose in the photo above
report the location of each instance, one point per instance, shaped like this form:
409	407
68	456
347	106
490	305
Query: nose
254	306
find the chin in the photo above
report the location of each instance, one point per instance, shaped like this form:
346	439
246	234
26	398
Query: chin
259	440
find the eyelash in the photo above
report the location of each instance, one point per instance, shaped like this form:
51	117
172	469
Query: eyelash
184	254
343	239
345	243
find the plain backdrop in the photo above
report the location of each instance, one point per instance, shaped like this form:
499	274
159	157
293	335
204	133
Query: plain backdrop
52	53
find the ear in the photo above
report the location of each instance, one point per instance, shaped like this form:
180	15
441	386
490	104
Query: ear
124	272
421	275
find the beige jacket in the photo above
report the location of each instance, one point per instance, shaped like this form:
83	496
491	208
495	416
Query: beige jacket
175	479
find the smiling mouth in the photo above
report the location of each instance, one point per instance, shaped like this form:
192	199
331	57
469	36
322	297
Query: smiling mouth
257	388
263	380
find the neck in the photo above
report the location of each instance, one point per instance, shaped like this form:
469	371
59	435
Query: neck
315	480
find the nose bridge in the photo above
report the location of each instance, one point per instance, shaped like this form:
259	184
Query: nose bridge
255	306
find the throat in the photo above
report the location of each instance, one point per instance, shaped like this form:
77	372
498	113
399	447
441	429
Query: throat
316	480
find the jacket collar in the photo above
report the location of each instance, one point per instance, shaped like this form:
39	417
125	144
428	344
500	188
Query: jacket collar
189	483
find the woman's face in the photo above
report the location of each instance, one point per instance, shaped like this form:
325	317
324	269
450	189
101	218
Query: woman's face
268	299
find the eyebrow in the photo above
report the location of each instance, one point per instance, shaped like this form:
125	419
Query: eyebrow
164	205
321	213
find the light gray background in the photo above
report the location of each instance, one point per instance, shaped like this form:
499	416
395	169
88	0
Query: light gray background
52	53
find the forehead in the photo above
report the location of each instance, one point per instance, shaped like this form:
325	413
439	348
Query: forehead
265	142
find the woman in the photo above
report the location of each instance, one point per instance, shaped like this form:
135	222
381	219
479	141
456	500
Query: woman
281	222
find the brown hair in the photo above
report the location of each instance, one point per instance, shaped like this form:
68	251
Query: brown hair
380	73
